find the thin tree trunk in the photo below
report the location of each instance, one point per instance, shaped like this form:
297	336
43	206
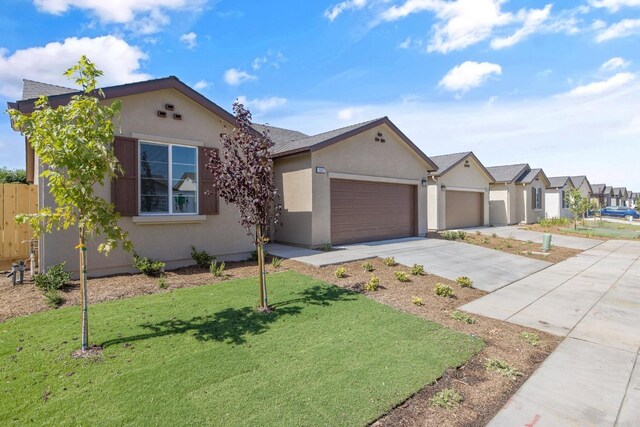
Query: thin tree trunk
260	263
83	289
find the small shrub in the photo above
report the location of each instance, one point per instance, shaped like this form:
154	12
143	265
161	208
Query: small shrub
446	398
390	261
417	269
53	298
485	240
462	235
503	368
162	283
202	258
477	233
275	262
417	301
367	266
254	256
402	276
54	279
341	272
442	290
530	337
326	247
216	269
462	317
529	242
464	282
373	284
147	266
553	222
449	235
494	235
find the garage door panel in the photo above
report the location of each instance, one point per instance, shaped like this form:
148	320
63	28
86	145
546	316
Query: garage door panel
464	209
362	211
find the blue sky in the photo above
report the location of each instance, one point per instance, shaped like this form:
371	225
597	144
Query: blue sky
555	85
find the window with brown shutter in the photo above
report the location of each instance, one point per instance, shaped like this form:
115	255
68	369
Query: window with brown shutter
208	202
124	188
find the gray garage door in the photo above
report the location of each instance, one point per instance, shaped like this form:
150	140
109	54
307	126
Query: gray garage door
363	211
464	209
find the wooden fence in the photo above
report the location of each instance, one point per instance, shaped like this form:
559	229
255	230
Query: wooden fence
15	199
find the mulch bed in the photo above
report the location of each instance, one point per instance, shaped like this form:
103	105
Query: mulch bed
517	247
484	392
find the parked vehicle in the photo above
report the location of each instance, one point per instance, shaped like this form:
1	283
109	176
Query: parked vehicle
620	212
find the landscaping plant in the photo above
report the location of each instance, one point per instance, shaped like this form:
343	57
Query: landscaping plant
576	204
446	398
202	258
367	266
216	269
417	301
243	176
341	272
417	269
443	290
162	283
148	267
389	261
462	317
531	338
53	279
373	284
464	282
503	368
74	146
402	276
275	262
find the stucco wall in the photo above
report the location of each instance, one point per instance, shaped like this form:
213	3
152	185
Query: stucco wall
553	203
501	204
434	204
293	178
459	178
362	158
533	215
519	207
219	235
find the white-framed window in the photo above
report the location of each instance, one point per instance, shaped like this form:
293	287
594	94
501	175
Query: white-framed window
168	179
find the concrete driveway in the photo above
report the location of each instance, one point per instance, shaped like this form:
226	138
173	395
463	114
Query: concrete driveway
593	377
515	232
489	269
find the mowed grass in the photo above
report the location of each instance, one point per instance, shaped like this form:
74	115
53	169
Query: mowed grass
607	229
204	356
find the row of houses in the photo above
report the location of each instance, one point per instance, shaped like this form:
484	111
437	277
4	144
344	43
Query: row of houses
363	182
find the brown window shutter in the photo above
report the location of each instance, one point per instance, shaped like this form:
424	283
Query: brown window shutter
124	188
208	202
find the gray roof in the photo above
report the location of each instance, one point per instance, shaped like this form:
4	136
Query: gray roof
608	189
558	181
280	136
619	191
530	176
447	161
32	89
508	173
306	142
598	188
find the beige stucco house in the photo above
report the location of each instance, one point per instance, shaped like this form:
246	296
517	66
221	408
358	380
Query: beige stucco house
518	194
359	183
583	185
620	196
458	192
161	138
555	204
598	195
609	196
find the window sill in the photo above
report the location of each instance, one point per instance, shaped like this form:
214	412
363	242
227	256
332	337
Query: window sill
168	219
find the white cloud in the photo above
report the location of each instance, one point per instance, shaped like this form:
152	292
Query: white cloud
262	105
234	77
189	39
624	28
613	5
351	114
144	16
275	58
258	62
597	88
468	75
119	61
405	44
533	20
201	85
614	64
334	11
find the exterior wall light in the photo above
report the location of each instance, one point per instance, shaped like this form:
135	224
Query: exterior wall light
424	182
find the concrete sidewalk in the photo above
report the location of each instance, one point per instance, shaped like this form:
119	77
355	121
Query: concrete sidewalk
593	377
489	269
514	232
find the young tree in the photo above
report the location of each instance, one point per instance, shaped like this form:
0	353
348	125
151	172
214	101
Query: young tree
575	203
74	144
244	176
8	176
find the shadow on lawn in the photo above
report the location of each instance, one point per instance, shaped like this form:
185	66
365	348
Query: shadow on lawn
232	325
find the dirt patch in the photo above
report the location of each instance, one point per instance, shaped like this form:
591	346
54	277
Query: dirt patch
484	392
517	247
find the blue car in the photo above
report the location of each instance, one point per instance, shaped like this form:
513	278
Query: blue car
620	212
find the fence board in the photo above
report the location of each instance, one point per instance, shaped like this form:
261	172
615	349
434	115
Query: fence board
15	199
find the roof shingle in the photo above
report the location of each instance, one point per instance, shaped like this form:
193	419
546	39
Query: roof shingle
508	173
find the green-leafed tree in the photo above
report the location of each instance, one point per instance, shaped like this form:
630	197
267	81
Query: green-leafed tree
8	176
74	144
576	204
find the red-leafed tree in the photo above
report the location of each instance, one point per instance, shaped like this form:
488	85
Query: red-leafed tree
243	176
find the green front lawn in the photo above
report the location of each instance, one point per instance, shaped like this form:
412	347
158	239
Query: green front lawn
203	355
613	230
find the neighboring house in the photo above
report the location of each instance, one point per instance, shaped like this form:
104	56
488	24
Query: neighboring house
598	195
620	196
633	199
517	195
609	197
458	192
164	130
555	204
359	183
582	184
